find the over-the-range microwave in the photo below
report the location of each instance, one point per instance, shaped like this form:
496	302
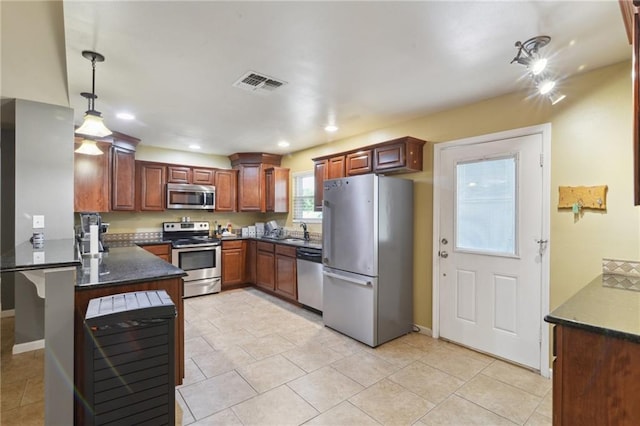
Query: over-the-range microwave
193	197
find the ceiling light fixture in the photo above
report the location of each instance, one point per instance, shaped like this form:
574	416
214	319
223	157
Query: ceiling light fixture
283	144
529	56
331	128
89	147
194	146
93	124
125	116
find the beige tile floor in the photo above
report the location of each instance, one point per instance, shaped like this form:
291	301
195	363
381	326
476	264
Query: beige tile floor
252	359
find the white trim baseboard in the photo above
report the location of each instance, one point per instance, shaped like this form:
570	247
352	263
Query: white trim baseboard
8	313
19	348
423	330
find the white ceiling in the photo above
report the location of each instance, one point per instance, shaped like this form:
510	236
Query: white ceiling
364	65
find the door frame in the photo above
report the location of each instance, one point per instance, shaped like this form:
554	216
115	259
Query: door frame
545	131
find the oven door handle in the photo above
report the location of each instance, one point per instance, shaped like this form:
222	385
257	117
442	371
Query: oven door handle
195	248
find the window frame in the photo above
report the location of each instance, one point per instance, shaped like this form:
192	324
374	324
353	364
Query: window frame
295	181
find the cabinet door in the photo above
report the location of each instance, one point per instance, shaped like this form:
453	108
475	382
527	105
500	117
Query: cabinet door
91	180
123	196
358	163
251	262
389	157
250	188
269	189
178	174
233	263
202	176
336	168
277	190
226	182
151	186
163	251
265	276
285	268
320	170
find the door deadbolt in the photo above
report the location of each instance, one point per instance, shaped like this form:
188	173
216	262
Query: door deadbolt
444	254
444	241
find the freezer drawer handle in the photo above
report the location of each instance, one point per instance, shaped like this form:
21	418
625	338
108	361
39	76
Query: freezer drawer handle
342	277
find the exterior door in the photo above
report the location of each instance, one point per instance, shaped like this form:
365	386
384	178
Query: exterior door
490	246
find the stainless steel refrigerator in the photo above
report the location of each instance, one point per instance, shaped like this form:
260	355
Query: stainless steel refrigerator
367	231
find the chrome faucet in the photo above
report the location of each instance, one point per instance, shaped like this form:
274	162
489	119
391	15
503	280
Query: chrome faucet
305	232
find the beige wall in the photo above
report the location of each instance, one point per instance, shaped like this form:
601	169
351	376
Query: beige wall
591	145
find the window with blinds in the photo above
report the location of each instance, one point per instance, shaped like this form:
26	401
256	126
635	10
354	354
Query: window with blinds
303	189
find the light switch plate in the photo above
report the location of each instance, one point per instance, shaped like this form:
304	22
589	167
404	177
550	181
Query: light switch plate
38	221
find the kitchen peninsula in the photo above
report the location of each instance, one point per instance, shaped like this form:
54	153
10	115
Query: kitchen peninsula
596	371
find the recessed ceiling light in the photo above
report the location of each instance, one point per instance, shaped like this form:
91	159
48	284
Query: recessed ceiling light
283	144
331	128
546	86
194	146
125	116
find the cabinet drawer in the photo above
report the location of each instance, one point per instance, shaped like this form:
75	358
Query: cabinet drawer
157	249
285	250
262	246
231	245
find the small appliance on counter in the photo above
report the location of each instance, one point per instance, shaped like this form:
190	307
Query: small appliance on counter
273	231
83	232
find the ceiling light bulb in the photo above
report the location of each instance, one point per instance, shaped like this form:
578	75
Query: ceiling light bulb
194	146
89	147
283	144
93	125
546	86
538	66
331	128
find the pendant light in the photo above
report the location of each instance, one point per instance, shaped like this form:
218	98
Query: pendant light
89	147
93	124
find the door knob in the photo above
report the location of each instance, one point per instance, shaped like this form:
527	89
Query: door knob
444	254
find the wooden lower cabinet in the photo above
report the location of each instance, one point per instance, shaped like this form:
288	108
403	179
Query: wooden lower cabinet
173	287
163	250
265	273
596	378
234	255
286	272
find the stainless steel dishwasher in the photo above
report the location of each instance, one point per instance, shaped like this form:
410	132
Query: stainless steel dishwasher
309	265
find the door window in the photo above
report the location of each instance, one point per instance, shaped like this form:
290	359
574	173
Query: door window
485	206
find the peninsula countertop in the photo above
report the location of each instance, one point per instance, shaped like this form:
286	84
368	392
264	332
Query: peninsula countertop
122	265
608	305
52	254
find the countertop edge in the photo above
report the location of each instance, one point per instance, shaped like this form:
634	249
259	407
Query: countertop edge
80	287
593	328
71	264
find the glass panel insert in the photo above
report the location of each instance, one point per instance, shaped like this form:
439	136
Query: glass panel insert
486	205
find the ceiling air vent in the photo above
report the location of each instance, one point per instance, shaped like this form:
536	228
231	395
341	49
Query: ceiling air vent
254	82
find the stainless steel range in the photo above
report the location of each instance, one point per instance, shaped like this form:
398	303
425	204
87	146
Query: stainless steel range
197	254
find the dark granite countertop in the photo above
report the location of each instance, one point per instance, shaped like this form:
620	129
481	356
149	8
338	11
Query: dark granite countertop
53	254
609	305
123	265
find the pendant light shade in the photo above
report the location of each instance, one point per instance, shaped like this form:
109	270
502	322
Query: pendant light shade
93	124
89	147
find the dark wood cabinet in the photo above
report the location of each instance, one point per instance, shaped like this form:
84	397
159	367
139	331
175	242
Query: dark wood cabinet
250	269
178	174
233	263
150	186
201	176
265	273
276	183
123	188
252	192
596	378
320	173
399	155
358	163
336	167
92	179
162	250
285	271
226	183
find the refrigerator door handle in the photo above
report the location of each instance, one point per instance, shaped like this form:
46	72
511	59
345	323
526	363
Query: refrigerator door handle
326	227
345	278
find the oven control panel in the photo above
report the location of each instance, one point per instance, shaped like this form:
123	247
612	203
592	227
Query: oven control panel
185	226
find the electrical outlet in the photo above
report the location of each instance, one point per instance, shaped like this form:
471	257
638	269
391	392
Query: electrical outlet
38	221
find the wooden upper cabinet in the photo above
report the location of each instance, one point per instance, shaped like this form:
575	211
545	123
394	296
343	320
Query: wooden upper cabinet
276	183
320	171
251	178
150	185
358	163
336	167
91	180
399	155
226	183
201	176
123	188
179	174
